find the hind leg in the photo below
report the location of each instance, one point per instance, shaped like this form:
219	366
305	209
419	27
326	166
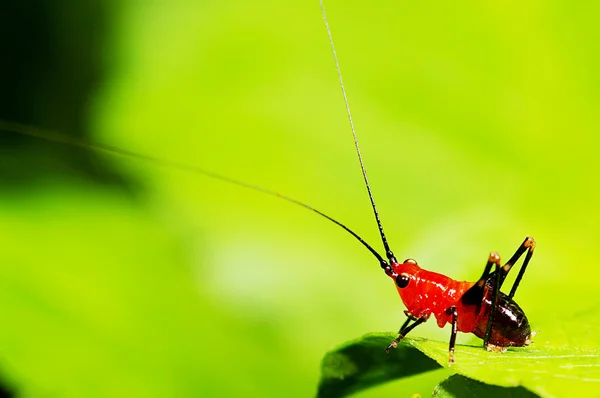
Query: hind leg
527	245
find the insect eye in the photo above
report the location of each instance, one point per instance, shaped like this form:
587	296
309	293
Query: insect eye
410	261
402	280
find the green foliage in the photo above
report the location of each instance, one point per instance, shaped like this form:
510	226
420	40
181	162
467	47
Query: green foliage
459	386
548	372
363	363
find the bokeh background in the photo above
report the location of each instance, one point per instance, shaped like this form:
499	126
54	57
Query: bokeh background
122	278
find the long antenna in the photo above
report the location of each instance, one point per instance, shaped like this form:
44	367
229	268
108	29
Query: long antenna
388	251
65	139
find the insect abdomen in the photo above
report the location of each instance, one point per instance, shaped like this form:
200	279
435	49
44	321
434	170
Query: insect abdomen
511	327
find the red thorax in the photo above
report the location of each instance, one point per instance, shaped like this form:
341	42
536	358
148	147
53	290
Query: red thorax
432	293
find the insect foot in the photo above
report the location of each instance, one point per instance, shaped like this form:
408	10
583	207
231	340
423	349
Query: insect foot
494	348
393	344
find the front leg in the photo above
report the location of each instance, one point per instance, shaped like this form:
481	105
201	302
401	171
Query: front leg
406	327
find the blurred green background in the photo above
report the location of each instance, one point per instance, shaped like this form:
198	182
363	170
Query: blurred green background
121	278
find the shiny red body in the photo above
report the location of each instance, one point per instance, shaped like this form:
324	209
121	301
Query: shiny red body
432	293
429	293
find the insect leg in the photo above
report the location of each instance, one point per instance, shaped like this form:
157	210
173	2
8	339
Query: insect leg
474	296
494	258
496	289
527	245
452	310
405	324
404	331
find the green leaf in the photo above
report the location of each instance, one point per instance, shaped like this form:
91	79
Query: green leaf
463	387
363	363
546	371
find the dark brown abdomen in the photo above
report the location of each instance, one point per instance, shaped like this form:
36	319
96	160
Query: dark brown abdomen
511	327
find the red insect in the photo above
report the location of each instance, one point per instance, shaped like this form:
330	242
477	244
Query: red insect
470	307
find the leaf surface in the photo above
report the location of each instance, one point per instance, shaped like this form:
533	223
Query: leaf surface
363	363
546	371
463	387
